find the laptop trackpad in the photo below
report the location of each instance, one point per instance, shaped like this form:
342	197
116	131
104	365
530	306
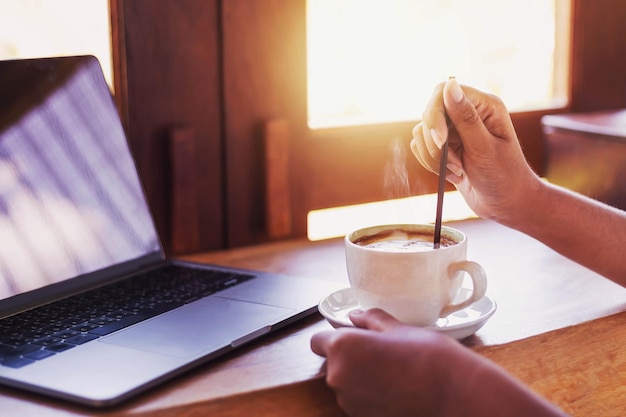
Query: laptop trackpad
204	325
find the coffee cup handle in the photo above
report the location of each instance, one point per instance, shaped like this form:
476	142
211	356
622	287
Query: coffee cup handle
479	280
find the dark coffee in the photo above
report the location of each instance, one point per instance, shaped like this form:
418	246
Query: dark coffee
395	240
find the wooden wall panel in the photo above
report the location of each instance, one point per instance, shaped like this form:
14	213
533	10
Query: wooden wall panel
264	78
168	56
599	55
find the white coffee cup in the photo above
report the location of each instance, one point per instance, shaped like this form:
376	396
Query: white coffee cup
415	283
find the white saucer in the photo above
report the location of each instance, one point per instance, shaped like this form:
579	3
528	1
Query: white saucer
464	323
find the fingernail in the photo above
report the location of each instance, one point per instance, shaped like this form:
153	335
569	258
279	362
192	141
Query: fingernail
356	311
436	138
455	169
455	90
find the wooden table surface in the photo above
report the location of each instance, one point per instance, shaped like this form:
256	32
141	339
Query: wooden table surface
559	328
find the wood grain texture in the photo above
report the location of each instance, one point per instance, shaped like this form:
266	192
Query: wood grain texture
277	141
310	398
184	210
537	291
580	368
598	48
167	57
586	152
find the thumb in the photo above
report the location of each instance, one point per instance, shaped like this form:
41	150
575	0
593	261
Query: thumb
464	116
478	117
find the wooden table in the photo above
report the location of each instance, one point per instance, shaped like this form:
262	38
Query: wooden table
559	328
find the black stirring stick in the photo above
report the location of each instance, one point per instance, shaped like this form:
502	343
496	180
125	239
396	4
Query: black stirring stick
442	183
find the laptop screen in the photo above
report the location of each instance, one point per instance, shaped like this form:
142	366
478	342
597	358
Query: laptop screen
71	201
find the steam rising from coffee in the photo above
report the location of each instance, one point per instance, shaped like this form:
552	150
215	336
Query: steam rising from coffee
398	188
396	179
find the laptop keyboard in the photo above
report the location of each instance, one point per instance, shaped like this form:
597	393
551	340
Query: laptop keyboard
47	330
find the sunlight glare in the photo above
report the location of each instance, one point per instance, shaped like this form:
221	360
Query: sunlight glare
373	61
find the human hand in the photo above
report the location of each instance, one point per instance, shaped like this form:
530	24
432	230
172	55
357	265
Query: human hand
386	368
485	160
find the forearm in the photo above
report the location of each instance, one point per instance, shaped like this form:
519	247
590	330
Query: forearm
499	395
582	229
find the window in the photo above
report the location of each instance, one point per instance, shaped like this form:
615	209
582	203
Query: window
372	62
375	61
42	28
226	83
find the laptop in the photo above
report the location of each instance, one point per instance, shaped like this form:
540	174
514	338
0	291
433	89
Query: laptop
91	310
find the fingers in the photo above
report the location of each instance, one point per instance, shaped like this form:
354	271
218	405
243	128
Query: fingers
432	132
321	341
479	118
464	115
476	121
374	319
434	118
430	159
424	148
455	168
